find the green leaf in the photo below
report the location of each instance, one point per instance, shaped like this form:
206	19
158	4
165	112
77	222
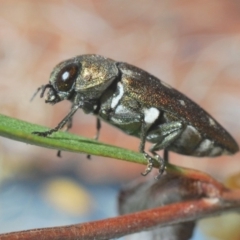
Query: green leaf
22	131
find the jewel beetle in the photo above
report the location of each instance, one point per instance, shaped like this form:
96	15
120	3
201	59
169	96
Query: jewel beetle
139	104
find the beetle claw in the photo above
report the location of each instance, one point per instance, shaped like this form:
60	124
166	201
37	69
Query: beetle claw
149	165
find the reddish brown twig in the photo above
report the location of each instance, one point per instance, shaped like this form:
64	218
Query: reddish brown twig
131	223
213	199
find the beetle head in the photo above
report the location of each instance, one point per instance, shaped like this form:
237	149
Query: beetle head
86	75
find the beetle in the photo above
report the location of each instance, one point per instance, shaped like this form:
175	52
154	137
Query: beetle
139	104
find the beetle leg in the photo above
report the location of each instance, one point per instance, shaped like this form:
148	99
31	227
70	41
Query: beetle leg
98	128
149	165
98	125
68	126
61	124
159	159
150	159
162	162
168	133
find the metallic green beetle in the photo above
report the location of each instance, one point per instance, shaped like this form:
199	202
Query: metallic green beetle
140	105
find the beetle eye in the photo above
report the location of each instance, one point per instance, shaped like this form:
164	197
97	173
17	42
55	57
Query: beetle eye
66	77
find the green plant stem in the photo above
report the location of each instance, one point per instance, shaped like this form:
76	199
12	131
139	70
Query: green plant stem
22	131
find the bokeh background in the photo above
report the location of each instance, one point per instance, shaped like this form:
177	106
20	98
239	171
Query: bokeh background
192	45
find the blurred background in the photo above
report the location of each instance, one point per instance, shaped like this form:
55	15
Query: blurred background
192	45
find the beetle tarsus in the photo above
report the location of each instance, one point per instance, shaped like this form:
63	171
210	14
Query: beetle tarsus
160	160
44	134
149	165
162	168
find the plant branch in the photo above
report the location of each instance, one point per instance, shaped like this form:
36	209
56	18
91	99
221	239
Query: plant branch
22	131
135	222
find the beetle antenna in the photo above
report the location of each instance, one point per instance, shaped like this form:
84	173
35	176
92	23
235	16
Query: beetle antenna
36	92
43	89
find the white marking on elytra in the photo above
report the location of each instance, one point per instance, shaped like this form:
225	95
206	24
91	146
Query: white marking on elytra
211	122
65	76
117	98
204	146
182	102
166	85
150	115
216	151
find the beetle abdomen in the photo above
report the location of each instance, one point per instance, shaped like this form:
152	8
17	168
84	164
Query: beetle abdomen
190	142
